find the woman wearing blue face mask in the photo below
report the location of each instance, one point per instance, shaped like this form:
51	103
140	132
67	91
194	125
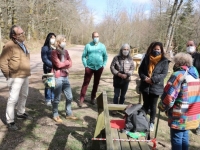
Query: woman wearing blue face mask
122	68
152	72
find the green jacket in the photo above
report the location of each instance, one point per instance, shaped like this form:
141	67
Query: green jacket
94	56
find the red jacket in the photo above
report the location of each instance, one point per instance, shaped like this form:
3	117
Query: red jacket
60	69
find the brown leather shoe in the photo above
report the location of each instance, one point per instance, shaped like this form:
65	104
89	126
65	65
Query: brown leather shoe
71	117
80	104
57	119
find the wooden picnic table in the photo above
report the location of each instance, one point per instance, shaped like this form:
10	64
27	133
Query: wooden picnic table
137	61
104	130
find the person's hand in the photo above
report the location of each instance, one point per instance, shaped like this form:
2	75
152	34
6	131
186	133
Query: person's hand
161	107
124	76
148	80
120	75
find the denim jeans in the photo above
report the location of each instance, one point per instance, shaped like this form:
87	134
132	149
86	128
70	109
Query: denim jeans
179	139
49	94
18	92
120	92
62	84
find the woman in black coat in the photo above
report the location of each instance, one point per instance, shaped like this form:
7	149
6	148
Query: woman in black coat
152	72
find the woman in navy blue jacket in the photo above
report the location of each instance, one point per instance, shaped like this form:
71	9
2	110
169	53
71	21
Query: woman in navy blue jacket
47	66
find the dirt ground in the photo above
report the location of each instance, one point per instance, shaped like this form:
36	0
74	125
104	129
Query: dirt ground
44	134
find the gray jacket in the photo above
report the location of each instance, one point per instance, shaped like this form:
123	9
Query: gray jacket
122	65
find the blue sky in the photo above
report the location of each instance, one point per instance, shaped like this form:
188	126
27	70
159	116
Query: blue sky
99	6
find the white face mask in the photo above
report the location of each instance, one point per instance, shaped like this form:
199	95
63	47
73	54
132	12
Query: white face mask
52	41
63	44
125	52
191	49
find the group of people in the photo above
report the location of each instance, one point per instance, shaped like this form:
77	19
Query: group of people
15	65
180	98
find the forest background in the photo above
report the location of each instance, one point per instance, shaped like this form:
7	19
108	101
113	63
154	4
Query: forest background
171	22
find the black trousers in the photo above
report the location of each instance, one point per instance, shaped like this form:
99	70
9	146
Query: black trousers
150	102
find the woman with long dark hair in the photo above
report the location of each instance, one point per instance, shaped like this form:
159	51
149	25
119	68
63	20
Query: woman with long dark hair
152	72
47	66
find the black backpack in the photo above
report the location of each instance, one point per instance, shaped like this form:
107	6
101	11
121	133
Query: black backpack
136	119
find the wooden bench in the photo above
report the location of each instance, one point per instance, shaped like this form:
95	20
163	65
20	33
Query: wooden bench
103	129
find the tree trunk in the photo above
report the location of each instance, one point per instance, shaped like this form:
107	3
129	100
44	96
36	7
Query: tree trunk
172	22
9	14
30	22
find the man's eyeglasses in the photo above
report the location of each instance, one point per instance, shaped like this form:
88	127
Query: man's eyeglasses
126	49
20	34
95	36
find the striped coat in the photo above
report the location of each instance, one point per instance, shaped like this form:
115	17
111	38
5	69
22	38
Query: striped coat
181	99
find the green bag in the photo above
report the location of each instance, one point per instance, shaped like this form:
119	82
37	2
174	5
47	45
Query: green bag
49	80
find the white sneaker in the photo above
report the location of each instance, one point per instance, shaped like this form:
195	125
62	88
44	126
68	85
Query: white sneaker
151	127
48	103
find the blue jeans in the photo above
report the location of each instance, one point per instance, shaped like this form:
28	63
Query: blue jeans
62	84
179	139
123	89
49	94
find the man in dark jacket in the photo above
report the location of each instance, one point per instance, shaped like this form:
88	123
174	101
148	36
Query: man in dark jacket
191	49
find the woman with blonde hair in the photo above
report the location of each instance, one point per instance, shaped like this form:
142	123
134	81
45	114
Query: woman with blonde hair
61	63
181	101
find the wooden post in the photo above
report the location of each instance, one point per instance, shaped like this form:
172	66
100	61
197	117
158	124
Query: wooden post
109	140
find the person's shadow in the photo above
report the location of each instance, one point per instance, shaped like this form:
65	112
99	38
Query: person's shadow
35	108
63	133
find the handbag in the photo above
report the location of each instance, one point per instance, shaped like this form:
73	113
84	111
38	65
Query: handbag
49	80
138	83
118	82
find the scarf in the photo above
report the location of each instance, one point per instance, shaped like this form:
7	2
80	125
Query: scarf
62	54
152	63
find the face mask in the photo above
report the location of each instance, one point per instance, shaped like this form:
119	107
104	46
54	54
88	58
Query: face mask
191	49
125	53
96	40
156	53
63	44
52	41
